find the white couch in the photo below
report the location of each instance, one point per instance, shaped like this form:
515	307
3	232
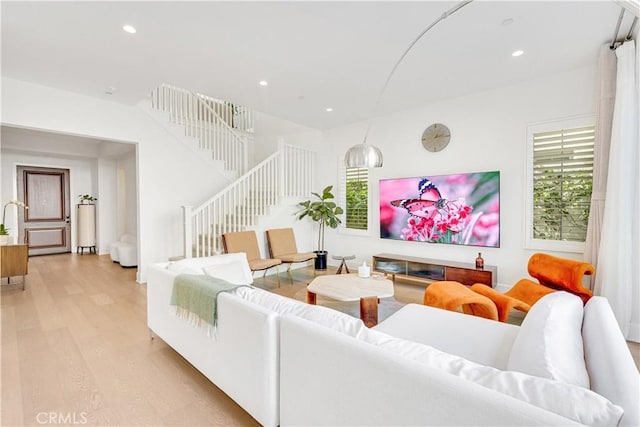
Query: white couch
242	359
383	379
289	363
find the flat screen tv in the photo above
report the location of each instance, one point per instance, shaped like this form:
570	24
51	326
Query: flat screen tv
460	209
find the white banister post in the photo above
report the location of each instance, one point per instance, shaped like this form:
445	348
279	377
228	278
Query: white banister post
245	155
281	165
188	243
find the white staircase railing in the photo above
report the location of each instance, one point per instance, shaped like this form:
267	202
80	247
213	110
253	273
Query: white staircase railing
287	173
213	122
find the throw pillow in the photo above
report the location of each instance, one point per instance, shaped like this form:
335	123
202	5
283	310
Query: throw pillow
233	266
549	343
233	272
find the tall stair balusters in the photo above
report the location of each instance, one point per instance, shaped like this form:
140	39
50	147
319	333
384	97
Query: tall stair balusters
287	173
218	125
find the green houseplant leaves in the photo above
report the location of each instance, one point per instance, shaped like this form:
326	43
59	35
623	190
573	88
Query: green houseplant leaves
323	211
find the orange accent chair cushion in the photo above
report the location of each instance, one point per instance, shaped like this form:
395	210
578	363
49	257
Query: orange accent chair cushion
553	273
504	303
561	274
450	295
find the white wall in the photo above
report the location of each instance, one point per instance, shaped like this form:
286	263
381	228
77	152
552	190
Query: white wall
270	130
488	133
129	224
168	176
106	205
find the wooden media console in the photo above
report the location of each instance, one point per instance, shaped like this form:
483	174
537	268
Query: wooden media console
423	270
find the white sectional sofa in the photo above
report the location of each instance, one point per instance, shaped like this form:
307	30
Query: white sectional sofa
366	380
288	363
243	359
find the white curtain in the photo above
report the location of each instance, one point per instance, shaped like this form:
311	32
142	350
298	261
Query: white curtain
618	265
605	96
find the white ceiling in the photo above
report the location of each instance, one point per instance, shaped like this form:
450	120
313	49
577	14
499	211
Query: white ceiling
313	54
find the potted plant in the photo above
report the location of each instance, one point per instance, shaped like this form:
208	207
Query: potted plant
4	231
325	212
86	199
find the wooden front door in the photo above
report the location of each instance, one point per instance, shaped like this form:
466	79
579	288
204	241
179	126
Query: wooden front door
45	226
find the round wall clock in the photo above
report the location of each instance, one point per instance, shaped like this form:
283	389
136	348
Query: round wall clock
436	137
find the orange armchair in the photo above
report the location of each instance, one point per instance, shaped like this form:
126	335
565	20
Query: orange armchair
553	274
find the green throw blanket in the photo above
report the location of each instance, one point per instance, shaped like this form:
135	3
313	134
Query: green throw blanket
195	298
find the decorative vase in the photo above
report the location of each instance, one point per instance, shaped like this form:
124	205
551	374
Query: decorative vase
4	239
479	261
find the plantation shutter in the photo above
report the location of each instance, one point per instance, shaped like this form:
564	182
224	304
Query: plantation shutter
562	182
355	185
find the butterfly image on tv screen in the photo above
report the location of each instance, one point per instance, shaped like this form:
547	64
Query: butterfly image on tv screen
429	203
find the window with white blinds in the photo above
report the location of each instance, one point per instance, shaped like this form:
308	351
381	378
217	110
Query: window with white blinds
354	184
562	170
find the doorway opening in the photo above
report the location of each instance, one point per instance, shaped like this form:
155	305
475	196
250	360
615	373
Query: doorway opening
103	169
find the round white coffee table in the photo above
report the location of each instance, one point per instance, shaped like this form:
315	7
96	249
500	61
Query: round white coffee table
350	287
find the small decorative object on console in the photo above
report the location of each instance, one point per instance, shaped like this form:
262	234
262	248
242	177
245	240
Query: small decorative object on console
479	261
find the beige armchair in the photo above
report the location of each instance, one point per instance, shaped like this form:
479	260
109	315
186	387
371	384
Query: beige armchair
282	246
247	242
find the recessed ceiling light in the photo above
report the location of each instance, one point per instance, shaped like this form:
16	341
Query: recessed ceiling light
110	90
129	29
507	21
517	53
328	109
263	83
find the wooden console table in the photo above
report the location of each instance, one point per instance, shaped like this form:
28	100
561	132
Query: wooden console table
423	270
14	261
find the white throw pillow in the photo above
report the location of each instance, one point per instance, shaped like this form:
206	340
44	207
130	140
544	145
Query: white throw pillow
233	272
189	270
232	266
321	315
567	400
549	343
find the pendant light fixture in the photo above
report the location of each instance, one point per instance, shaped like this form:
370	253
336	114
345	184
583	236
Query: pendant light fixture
363	156
366	155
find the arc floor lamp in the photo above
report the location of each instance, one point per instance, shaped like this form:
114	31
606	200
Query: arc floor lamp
366	155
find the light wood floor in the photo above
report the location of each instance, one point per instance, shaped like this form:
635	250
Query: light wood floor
76	349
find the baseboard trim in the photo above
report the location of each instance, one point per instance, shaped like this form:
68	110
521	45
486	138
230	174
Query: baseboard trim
634	332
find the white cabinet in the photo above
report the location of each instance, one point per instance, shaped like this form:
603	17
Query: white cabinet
86	219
